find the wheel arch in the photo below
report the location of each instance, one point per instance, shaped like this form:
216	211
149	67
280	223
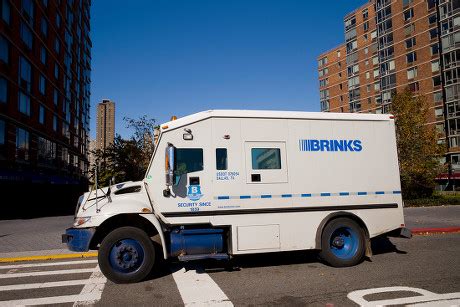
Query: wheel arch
335	215
150	225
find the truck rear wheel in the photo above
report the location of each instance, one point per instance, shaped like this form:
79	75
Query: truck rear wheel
342	243
126	255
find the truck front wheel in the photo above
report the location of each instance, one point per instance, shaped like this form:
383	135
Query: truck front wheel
342	243
126	255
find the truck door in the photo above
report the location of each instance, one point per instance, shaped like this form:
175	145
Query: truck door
266	162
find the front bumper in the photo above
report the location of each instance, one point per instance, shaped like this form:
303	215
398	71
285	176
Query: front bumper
78	239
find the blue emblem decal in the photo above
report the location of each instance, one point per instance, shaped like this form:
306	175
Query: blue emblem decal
194	192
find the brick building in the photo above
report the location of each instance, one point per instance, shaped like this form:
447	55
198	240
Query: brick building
45	63
394	44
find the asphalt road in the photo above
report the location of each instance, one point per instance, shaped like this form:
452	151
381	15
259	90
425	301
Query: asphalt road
296	278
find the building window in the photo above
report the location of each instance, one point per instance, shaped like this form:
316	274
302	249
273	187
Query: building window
43	55
22	144
55	123
431	4
58	20
4	49
24	103
368	75
366	26
2	132
322	61
408	30
266	158
375	60
3	90
56	71
407	2
5	10
44	27
46	151
432	19
437	97
28	10
41	114
45	3
414	87
55	97
411	57
435	66
365	14
438	112
57	45
221	159
437	81
376	73
408	14
410	42
434	49
411	73
374	34
42	84
26	35
25	74
433	33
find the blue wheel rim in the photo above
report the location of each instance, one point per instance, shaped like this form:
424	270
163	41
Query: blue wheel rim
126	256
344	243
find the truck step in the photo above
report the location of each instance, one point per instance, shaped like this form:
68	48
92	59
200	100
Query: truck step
219	256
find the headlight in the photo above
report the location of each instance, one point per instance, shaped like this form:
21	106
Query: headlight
78	221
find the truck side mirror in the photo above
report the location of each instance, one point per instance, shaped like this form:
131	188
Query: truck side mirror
169	168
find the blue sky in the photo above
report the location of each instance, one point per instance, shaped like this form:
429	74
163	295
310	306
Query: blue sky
177	57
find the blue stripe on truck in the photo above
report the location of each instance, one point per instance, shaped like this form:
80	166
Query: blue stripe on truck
324	194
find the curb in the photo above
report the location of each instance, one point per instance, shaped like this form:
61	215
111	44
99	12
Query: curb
424	231
49	257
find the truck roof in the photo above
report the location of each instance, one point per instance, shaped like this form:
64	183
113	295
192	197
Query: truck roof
189	119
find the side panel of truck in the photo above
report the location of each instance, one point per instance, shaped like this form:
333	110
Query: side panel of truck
279	207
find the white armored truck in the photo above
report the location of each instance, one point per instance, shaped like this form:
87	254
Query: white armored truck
230	182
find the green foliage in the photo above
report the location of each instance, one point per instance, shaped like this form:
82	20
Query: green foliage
434	200
418	151
127	159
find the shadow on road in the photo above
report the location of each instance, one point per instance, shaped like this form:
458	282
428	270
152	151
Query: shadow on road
380	245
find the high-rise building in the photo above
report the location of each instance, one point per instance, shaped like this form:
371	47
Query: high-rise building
392	45
45	64
105	130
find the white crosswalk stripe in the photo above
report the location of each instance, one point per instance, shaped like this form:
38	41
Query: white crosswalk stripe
90	292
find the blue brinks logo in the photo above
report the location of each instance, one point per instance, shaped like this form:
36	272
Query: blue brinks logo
330	145
194	192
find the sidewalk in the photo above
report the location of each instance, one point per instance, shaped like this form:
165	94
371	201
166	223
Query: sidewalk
42	236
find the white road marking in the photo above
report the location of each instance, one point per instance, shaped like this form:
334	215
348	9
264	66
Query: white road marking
45	300
44	273
198	289
90	294
49	284
32	265
424	299
92	291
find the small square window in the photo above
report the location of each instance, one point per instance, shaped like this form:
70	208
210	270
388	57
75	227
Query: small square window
221	159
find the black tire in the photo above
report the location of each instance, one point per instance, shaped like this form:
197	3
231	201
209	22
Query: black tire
126	255
342	243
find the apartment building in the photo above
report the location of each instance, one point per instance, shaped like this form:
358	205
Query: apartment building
45	63
395	44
